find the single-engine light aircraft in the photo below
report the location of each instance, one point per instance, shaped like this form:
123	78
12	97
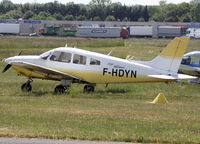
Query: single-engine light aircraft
72	65
190	65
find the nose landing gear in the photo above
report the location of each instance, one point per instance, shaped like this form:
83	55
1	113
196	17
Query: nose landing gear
26	87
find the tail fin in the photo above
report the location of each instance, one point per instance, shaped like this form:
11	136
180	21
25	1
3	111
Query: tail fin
170	58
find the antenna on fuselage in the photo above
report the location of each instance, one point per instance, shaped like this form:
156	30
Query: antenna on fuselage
66	45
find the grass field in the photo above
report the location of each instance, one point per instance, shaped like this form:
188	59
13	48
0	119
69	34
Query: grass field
120	112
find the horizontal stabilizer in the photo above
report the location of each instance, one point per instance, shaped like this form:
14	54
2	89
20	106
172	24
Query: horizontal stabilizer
162	77
168	77
183	76
197	69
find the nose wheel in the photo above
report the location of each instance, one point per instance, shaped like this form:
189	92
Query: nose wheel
26	87
88	88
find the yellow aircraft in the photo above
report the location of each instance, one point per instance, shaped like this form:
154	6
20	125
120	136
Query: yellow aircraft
72	65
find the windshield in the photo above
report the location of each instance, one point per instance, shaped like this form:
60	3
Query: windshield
186	60
45	55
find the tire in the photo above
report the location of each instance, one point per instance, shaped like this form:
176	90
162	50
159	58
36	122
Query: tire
26	87
59	89
88	89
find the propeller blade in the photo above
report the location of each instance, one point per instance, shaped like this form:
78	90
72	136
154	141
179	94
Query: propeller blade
9	65
20	53
6	68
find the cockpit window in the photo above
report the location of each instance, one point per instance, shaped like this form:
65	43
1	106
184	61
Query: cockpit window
94	62
61	57
79	59
186	60
45	55
65	57
55	56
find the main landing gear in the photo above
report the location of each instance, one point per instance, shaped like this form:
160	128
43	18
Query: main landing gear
59	89
26	87
88	88
63	87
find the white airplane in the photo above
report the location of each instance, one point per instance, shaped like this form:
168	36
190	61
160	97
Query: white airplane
190	65
72	65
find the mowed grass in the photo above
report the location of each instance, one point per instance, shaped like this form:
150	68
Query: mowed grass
120	112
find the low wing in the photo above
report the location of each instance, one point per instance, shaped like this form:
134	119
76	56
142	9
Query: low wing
169	77
47	72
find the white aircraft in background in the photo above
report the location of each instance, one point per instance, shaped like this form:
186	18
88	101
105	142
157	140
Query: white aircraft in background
72	65
190	65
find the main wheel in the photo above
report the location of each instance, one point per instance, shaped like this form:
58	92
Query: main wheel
26	87
88	88
59	89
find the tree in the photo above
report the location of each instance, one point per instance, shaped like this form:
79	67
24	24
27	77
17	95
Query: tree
110	18
6	6
14	14
185	18
195	12
96	18
69	17
195	1
97	11
171	19
183	9
125	19
72	9
141	19
145	14
4	16
117	11
44	14
100	3
102	10
159	17
58	16
81	18
98	8
163	3
38	18
154	12
50	18
29	14
136	12
171	13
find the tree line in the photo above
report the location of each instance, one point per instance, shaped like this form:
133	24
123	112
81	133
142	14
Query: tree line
102	10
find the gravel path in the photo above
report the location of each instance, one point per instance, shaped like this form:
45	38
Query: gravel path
50	141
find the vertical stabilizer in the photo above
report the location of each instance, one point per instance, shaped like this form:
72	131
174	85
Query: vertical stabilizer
170	58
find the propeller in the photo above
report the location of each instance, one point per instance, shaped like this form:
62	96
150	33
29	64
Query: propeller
6	68
20	53
9	65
